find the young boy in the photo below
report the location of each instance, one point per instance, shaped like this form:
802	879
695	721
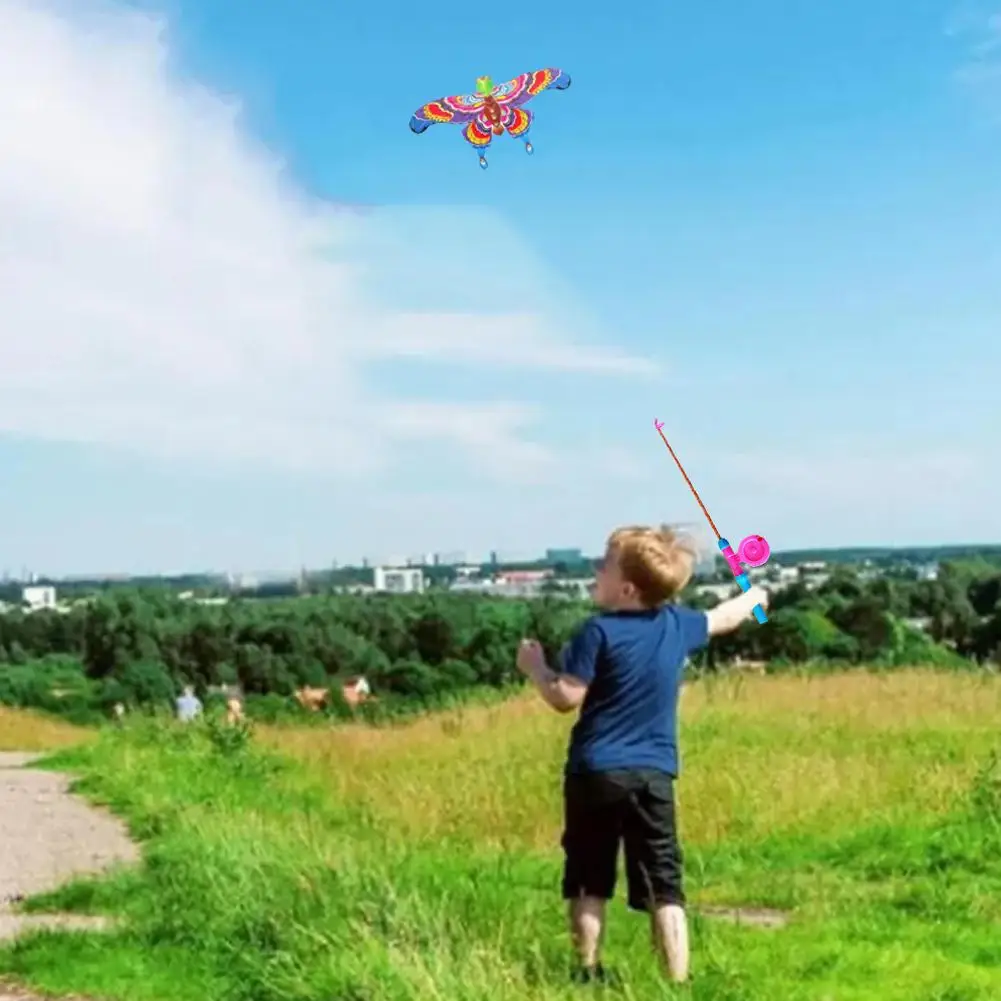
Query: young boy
623	669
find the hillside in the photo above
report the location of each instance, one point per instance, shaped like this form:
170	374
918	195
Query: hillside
422	861
139	647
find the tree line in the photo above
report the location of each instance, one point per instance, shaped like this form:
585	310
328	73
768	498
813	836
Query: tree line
138	646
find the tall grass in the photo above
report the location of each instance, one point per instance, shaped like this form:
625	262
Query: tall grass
421	860
23	730
760	755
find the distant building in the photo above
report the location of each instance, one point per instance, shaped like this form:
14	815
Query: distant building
505	557
521	583
779	576
399	580
813	576
510	584
564	556
472	584
721	592
706	564
37	598
524	576
581	588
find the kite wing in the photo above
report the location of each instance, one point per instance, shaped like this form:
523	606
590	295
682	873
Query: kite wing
458	110
523	88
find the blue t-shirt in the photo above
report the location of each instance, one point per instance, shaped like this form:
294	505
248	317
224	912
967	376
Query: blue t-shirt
188	707
632	663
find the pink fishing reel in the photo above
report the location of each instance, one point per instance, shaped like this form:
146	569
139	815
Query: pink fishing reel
754	551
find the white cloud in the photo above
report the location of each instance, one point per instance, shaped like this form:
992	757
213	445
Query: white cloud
845	478
488	432
495	340
991	42
855	492
980	71
166	287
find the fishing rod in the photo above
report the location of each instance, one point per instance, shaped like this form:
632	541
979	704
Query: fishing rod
753	550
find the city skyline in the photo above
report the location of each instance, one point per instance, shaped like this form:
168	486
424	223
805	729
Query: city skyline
774	230
256	576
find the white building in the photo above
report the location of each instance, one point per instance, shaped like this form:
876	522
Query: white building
721	592
37	598
777	575
399	580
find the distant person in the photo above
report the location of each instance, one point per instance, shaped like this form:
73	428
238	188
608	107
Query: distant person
623	669
188	705
234	710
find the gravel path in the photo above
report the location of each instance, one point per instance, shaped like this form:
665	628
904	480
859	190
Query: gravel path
48	836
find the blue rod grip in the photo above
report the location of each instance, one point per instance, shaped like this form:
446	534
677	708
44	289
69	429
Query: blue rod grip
745	585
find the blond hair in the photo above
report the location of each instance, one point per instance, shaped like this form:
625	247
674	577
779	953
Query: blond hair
658	562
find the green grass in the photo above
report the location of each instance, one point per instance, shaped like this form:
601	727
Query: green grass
24	730
422	861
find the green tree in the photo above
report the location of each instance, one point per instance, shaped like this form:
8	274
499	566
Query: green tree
868	624
146	682
802	635
434	637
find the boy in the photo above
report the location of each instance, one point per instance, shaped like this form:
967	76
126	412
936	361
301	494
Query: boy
623	669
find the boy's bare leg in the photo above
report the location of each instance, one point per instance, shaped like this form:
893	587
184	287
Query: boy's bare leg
587	922
670	939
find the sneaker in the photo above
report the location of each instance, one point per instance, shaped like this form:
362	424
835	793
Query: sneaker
596	974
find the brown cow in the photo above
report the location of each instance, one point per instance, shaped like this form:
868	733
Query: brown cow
313	699
355	691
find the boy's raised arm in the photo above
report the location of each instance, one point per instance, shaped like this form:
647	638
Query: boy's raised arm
564	690
728	615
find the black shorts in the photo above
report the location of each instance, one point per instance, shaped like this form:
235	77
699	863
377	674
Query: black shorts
636	807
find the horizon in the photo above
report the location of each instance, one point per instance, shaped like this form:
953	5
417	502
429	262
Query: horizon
290	573
250	319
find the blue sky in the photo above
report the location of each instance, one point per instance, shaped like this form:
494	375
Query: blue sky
773	226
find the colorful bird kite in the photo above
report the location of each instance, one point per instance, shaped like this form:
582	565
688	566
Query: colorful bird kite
491	110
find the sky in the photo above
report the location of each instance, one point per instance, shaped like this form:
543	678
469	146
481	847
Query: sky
249	321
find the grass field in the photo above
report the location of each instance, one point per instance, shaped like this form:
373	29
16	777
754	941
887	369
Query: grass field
422	861
26	731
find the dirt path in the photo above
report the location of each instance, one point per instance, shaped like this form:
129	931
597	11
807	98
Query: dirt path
48	836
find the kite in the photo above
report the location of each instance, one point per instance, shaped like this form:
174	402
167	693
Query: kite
492	110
